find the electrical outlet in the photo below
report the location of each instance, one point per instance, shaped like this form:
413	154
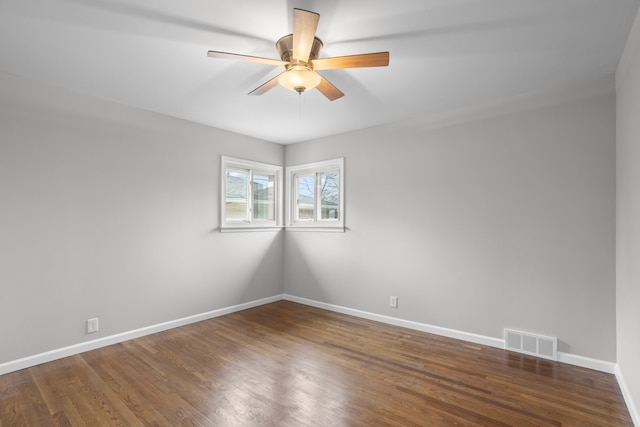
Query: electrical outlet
92	325
393	302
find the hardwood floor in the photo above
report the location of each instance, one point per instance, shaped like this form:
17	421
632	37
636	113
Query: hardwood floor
286	364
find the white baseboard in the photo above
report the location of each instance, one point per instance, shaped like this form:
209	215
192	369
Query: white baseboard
437	330
633	411
571	359
49	356
586	362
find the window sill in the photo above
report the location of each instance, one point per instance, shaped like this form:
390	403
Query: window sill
335	229
247	229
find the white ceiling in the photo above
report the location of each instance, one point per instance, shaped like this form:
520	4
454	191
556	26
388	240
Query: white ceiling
445	55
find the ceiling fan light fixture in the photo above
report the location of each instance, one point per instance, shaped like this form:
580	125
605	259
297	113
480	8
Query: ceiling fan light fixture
299	79
299	56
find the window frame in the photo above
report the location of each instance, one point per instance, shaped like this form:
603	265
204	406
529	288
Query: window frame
314	169
253	168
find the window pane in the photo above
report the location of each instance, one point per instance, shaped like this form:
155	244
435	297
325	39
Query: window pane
263	197
329	195
236	195
306	195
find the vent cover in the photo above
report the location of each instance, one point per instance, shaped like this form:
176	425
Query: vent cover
533	344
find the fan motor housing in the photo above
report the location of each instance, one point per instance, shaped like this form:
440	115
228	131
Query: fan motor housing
285	48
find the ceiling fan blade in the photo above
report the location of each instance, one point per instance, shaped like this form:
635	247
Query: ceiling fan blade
329	90
226	55
305	24
378	59
270	84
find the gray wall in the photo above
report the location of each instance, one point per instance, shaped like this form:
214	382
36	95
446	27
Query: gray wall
628	215
500	222
111	212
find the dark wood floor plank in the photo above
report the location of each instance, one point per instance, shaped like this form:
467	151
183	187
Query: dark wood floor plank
286	364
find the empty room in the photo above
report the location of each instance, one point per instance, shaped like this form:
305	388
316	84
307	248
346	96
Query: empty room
320	213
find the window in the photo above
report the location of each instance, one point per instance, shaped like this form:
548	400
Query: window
251	195
315	196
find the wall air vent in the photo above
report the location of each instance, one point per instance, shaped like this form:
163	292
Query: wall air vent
533	344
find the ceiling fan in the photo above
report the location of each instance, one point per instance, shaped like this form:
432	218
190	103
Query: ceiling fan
299	55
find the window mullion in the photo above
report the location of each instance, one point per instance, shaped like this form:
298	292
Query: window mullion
250	197
317	208
296	195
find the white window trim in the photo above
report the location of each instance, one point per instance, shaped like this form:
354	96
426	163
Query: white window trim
290	200
235	226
